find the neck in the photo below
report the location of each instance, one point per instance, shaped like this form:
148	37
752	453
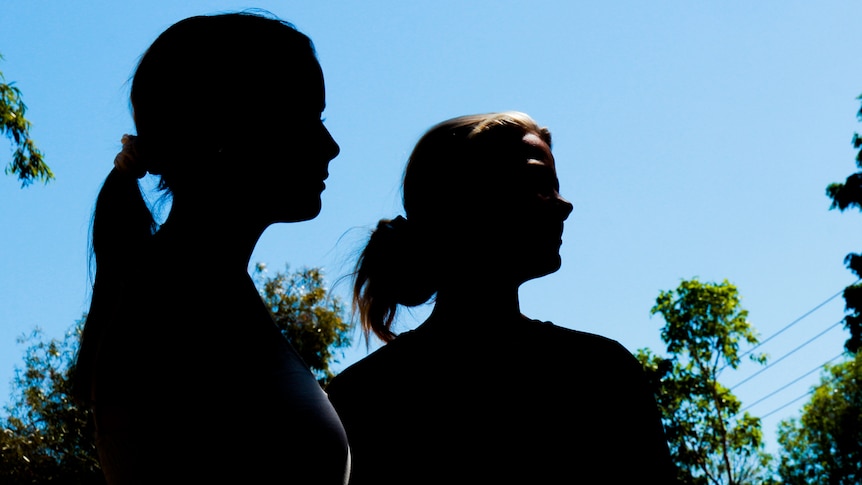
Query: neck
471	301
209	238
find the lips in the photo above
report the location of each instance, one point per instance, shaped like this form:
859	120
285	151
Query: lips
323	176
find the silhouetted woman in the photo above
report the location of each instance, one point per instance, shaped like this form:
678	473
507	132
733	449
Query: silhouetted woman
480	393
188	377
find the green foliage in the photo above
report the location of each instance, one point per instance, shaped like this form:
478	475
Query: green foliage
307	315
845	196
825	445
27	161
46	437
710	441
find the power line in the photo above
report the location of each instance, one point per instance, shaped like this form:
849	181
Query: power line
794	322
794	381
839	322
770	413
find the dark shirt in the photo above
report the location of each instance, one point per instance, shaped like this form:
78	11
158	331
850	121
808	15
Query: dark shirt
526	402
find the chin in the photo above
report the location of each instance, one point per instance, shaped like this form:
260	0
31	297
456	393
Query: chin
308	213
299	216
550	267
306	217
540	270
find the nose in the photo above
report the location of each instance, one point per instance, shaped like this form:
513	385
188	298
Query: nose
332	148
565	207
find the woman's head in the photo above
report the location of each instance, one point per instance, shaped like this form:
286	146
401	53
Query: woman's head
483	190
236	93
481	197
457	161
227	110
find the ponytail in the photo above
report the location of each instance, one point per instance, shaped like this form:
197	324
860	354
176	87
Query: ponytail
122	226
392	270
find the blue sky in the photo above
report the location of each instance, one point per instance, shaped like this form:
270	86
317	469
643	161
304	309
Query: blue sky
695	139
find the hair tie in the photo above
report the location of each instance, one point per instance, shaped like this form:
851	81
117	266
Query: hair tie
393	230
397	223
128	160
403	229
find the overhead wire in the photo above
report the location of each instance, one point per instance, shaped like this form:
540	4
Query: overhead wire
787	354
794	322
794	381
777	333
779	408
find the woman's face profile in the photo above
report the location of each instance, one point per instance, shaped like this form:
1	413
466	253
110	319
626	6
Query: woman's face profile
294	151
545	209
529	210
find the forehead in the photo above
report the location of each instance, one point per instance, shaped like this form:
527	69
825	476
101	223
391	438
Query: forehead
536	150
291	87
316	89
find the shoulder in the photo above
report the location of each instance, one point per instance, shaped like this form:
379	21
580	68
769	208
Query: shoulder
383	364
572	350
557	336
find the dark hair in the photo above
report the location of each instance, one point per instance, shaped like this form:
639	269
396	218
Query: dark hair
189	97
190	93
398	265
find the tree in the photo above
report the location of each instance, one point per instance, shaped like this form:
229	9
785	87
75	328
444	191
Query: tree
710	441
825	445
47	438
307	315
27	161
845	196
